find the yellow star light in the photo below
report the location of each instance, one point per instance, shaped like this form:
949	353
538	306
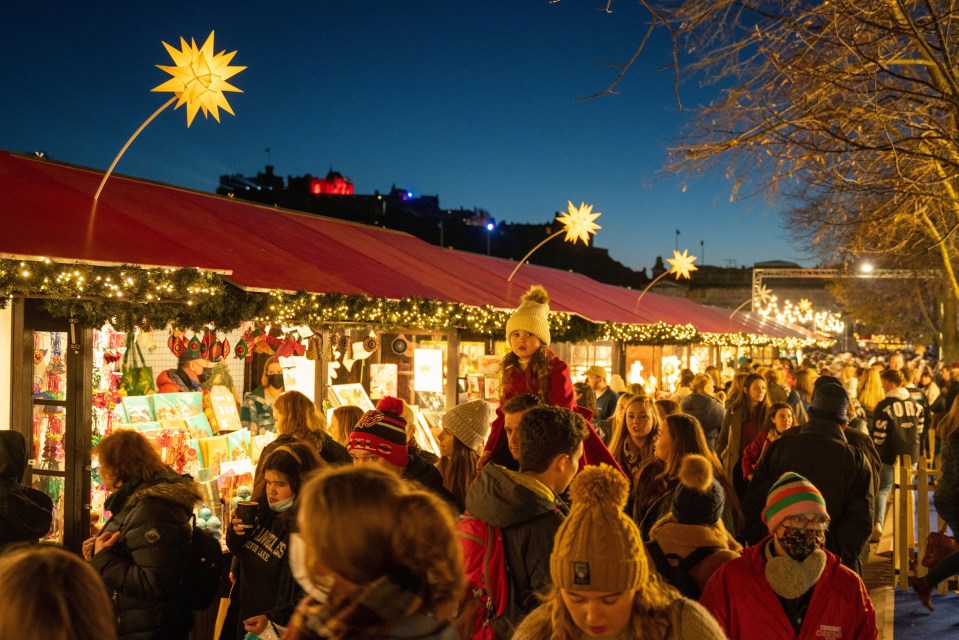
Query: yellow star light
578	222
200	78
681	264
805	305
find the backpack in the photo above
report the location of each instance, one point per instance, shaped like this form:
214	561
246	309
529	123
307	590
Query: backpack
487	598
205	569
675	570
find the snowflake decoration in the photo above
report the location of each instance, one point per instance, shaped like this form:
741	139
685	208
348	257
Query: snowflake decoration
763	295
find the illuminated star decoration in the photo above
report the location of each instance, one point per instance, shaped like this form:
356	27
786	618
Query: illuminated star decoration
200	78
763	294
577	225
681	264
805	305
578	222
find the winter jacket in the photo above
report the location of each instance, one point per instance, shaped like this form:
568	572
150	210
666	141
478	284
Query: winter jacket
709	411
898	425
683	620
947	489
25	513
420	470
740	598
820	452
605	404
175	381
256	413
529	514
730	443
682	539
264	581
560	395
754	451
145	571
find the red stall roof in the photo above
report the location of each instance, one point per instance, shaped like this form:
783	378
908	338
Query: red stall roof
48	210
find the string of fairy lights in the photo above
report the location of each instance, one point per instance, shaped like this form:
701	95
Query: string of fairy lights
803	313
129	296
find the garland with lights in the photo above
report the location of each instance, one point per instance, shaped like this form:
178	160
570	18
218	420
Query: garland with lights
129	296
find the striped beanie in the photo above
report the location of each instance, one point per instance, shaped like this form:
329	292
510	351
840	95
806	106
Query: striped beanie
792	495
383	432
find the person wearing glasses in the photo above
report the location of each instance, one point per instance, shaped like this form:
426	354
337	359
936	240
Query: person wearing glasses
789	585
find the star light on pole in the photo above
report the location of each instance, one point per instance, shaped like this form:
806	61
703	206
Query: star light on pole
578	223
681	265
761	296
199	81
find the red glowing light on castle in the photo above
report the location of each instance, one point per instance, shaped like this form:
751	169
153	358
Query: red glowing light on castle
334	184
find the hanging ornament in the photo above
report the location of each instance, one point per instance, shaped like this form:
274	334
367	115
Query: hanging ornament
194	346
313	346
216	351
343	342
242	349
225	347
38	355
178	348
371	343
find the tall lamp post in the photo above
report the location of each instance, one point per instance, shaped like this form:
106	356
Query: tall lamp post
489	232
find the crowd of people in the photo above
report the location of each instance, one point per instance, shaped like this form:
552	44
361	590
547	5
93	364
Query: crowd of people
739	510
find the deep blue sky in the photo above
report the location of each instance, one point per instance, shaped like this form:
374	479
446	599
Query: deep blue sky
472	100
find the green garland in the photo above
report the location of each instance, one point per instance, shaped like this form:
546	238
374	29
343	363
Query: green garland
129	296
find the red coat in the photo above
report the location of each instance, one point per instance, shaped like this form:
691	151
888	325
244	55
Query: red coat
753	452
560	395
744	604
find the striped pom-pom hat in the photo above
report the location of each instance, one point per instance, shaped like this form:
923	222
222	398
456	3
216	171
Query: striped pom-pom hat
383	432
792	495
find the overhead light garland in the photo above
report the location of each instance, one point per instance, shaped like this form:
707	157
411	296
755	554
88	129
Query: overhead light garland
803	313
130	296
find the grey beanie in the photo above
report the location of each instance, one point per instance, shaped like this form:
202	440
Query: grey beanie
469	423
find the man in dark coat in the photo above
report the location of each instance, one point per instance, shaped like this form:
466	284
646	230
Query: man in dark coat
821	452
527	505
25	513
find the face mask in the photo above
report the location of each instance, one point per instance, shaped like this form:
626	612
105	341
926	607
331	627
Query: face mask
799	543
204	376
318	587
281	505
275	380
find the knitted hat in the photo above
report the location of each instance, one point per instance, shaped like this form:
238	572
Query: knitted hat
469	422
383	432
597	546
532	315
597	371
699	498
830	402
792	495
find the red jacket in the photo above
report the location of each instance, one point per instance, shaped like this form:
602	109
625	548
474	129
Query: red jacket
753	452
744	604
560	395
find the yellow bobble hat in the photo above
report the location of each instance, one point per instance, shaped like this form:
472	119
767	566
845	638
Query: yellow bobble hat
598	547
532	315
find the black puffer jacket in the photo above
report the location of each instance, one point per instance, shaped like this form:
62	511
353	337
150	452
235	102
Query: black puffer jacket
145	571
420	470
25	513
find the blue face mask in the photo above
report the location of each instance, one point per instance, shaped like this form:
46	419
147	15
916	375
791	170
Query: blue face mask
281	505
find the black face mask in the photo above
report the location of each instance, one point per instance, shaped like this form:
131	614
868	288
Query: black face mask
204	376
275	380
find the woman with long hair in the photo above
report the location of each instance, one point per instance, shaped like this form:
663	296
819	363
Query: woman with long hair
298	418
744	420
143	551
343	420
946	499
464	431
734	393
603	586
779	418
870	395
682	435
265	592
632	443
390	553
606	428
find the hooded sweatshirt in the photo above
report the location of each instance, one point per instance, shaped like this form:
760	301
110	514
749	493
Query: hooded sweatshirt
25	513
529	513
899	422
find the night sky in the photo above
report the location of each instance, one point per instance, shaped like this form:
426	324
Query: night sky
471	100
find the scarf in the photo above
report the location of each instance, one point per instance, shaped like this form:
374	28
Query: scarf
367	613
115	501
